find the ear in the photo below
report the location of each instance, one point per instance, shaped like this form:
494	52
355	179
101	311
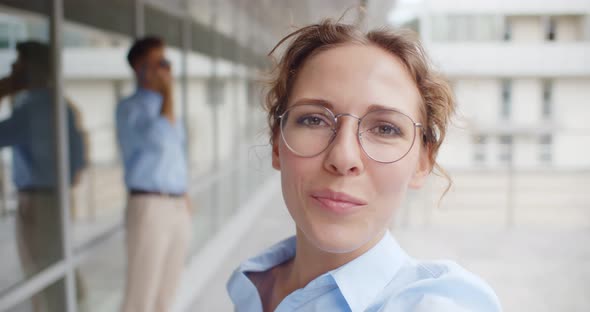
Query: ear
276	162
139	72
423	169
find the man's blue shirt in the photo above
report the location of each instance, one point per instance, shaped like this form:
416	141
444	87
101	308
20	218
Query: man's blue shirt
153	148
30	131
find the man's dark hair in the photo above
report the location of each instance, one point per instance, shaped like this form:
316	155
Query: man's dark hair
34	53
141	47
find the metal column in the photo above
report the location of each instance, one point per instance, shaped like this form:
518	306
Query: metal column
186	48
139	20
214	99
61	136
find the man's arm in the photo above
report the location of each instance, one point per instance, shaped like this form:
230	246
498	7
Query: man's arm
168	105
164	79
5	87
12	83
14	130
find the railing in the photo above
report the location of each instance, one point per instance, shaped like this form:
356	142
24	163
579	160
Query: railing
210	191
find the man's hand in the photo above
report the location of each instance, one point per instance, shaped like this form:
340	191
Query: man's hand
18	81
163	80
12	84
9	85
156	78
5	86
164	84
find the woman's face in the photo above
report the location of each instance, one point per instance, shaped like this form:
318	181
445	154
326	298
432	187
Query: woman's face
342	200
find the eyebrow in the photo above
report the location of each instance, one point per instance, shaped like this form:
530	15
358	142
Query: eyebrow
330	106
321	102
374	107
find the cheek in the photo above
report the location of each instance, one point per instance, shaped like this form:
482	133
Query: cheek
292	167
296	172
298	168
391	183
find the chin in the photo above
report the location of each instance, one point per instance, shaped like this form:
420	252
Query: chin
337	238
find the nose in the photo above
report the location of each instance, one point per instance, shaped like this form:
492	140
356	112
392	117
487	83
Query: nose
344	156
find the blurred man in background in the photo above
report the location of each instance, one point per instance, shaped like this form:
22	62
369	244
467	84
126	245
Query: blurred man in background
152	142
30	131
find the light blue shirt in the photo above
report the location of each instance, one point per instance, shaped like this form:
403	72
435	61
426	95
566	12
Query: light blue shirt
153	149
384	278
30	130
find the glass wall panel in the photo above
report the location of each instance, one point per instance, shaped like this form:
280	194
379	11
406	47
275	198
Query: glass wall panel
55	302
201	144
226	139
96	77
103	276
30	214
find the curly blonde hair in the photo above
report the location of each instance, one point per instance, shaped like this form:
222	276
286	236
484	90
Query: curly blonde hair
438	104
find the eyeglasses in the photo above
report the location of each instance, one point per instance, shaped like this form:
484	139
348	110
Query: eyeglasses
164	63
385	135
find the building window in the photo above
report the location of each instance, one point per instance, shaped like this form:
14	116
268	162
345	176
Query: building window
215	91
506	99
460	28
547	99
507	34
479	149
505	155
545	147
550	29
252	90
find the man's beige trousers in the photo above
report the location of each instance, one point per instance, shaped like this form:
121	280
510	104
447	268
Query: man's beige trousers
39	242
158	236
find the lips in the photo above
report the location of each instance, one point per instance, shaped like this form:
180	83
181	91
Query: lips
337	202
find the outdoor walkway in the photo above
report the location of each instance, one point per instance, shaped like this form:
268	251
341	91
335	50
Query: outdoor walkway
532	268
541	263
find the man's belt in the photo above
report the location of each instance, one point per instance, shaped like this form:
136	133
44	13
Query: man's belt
154	193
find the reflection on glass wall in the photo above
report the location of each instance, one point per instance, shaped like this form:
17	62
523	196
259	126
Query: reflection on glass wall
95	78
45	304
215	102
31	218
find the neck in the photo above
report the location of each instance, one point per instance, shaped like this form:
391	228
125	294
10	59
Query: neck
148	88
310	262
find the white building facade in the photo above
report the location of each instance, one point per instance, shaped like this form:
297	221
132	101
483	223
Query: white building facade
521	74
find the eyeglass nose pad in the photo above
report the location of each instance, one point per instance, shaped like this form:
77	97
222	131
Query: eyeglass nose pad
333	136
335	130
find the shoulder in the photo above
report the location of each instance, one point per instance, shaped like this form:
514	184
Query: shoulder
32	103
441	286
24	100
126	103
130	108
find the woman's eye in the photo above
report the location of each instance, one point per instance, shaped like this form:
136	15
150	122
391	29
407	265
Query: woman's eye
387	130
312	121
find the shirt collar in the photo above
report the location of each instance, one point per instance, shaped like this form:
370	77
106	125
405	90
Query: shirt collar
148	93
241	290
272	257
362	279
359	281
